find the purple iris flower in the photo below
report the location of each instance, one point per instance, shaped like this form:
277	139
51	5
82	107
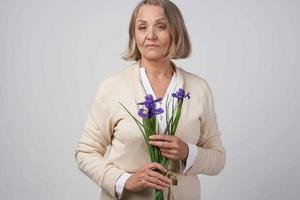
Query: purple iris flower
150	109
180	94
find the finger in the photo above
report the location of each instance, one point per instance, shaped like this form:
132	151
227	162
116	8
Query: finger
158	182
169	156
159	177
167	138
161	144
154	165
154	186
168	151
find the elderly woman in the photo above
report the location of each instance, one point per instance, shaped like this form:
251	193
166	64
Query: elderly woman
157	34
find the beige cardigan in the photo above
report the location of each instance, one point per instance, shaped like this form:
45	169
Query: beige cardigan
112	144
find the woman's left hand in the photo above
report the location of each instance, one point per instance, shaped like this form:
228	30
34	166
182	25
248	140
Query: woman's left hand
171	147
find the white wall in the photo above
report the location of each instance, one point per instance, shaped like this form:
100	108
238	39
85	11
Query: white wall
54	53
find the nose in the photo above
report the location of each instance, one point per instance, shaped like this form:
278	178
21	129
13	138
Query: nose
151	35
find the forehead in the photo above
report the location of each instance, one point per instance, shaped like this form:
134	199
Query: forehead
150	13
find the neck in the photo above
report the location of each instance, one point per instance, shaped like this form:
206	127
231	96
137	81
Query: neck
159	68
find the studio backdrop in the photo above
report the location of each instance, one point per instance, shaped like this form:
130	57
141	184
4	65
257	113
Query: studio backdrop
53	55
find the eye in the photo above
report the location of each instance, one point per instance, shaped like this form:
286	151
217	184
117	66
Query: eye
161	26
141	28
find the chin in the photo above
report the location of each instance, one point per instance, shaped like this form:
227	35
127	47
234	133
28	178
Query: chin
152	56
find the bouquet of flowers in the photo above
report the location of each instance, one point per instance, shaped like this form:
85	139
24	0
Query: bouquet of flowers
148	111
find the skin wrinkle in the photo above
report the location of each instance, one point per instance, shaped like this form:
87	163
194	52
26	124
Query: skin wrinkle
150	20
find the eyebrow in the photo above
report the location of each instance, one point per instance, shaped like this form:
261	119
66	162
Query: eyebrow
158	20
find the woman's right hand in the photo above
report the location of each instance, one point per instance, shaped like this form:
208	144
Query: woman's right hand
146	177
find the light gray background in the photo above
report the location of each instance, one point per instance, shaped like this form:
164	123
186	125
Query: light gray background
54	53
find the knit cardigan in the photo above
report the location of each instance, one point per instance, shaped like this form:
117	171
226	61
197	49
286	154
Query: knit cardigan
112	144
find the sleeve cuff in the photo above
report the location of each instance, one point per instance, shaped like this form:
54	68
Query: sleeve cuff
109	181
191	157
121	183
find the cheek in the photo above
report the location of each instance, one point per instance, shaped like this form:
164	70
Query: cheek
166	39
139	38
139	44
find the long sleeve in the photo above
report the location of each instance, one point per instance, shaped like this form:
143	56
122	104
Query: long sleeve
191	157
97	135
120	185
210	159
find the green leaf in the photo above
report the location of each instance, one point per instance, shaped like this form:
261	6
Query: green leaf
177	117
137	121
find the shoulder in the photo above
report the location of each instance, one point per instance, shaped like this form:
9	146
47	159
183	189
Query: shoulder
194	81
198	87
115	85
118	79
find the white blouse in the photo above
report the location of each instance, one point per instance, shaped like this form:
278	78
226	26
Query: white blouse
161	119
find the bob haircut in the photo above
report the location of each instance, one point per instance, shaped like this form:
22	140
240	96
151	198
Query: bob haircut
180	46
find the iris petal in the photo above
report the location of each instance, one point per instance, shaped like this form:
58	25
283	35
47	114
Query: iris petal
149	111
143	113
180	94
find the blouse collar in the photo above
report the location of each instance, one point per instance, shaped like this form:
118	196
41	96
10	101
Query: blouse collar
138	88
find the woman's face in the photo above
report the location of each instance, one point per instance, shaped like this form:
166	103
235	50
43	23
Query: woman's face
152	32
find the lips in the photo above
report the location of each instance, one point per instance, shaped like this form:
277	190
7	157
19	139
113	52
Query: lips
152	45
